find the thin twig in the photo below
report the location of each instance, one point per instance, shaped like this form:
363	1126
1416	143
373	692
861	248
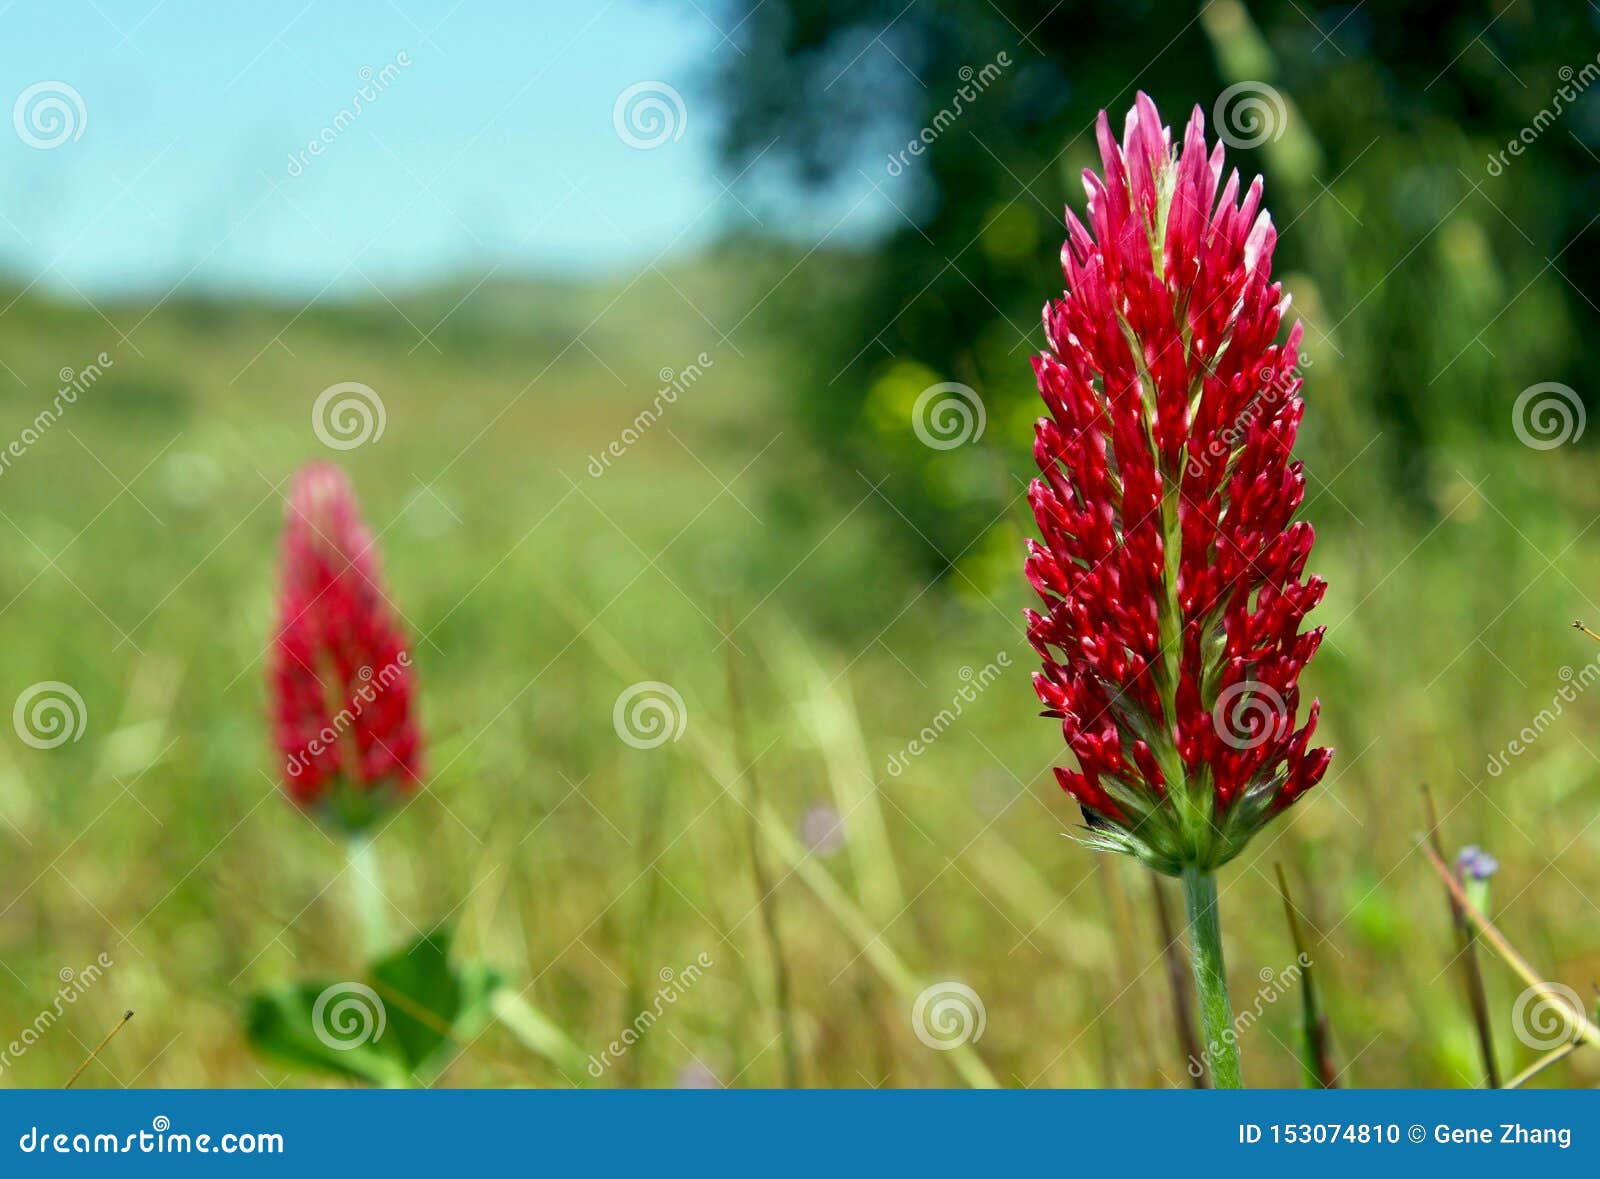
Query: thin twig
1582	1029
1543	1063
1477	996
121	1023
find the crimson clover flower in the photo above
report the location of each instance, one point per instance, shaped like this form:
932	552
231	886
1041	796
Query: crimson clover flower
339	670
1171	569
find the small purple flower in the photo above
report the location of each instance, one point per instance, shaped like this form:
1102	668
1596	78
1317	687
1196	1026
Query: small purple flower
695	1075
822	830
1476	864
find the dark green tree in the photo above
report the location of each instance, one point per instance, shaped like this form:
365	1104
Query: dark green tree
1438	278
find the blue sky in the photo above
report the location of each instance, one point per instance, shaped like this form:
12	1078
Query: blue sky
495	146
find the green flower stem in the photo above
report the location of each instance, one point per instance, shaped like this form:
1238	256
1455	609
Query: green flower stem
1210	977
372	909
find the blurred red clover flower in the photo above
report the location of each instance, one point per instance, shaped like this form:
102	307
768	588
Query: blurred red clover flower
340	673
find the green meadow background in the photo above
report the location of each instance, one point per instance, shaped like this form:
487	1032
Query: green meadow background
818	586
142	531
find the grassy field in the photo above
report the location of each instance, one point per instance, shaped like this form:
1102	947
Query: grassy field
141	530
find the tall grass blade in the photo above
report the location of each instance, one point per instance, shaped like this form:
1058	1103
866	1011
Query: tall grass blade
830	716
1472	971
1315	1042
719	761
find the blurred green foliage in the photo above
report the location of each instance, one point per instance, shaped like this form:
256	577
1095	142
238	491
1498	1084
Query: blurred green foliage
579	867
1434	286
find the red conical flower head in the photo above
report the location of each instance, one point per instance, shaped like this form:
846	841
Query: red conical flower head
1172	573
340	673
